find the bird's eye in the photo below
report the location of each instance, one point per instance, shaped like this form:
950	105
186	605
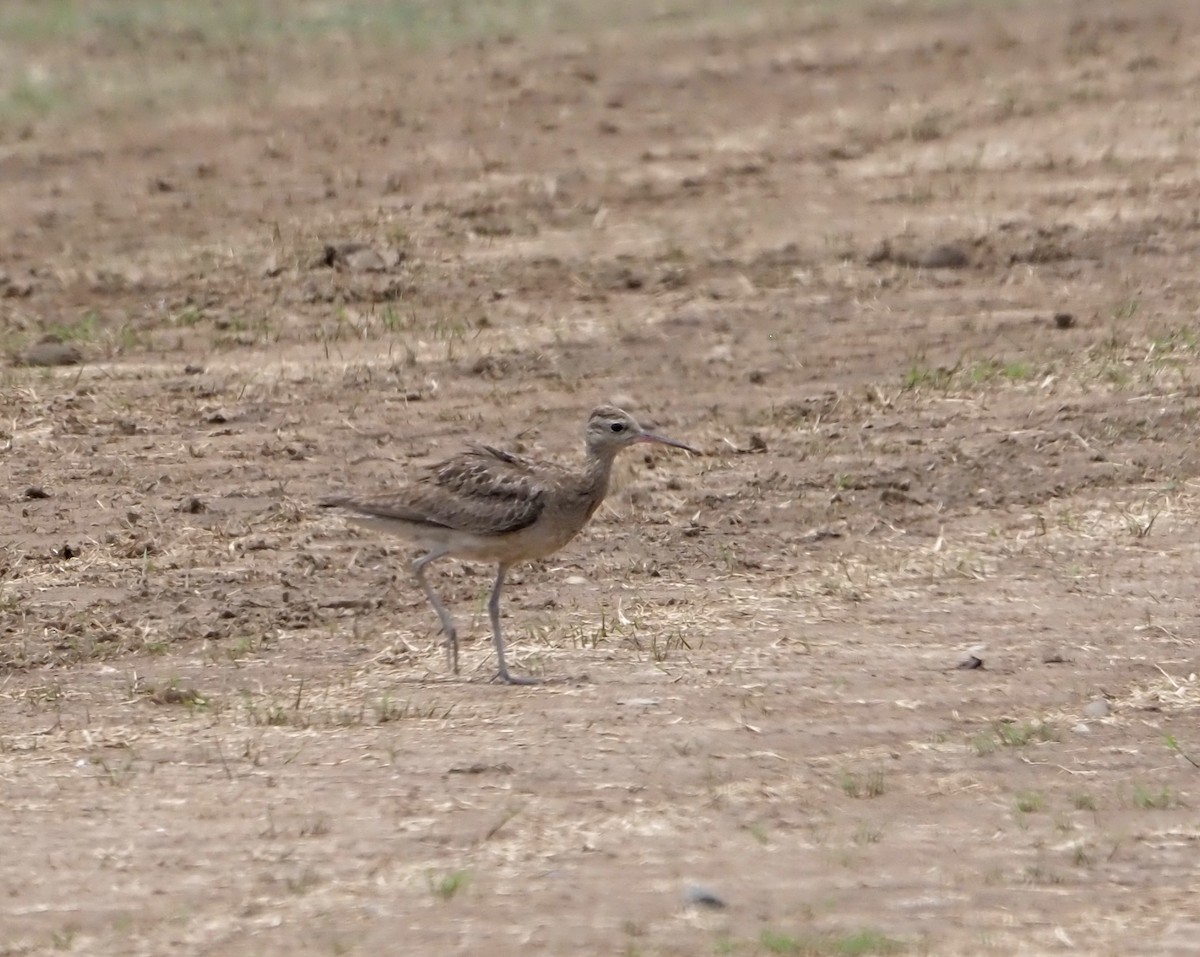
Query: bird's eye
618	426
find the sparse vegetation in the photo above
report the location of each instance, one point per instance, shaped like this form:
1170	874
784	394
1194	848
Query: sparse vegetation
450	885
870	784
758	832
1030	802
921	376
1173	745
1153	798
1011	734
1021	734
868	835
849	945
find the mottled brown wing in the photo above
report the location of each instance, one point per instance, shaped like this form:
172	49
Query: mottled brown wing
484	490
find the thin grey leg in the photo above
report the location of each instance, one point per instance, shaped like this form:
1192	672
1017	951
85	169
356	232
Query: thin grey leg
497	637
448	628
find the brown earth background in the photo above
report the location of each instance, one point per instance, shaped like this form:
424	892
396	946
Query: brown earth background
920	279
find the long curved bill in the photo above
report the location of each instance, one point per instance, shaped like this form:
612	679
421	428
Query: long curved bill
663	440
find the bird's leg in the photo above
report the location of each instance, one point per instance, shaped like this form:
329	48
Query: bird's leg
497	637
448	628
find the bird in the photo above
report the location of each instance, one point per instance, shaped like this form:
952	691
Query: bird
490	505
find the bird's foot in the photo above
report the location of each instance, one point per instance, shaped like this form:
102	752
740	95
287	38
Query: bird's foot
514	680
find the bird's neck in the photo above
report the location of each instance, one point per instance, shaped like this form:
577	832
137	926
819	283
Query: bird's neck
596	471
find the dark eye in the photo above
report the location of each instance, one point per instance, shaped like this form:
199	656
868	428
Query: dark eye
618	426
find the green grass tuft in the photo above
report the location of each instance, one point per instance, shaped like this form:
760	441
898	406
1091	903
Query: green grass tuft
856	944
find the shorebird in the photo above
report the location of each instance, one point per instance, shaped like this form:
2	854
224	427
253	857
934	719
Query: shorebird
489	505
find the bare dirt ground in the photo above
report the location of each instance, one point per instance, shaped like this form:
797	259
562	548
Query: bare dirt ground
828	246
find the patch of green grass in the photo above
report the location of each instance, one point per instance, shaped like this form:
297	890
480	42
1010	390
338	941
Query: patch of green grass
188	316
1017	371
758	832
127	25
964	375
160	54
243	647
317	826
1029	802
1011	734
920	376
859	943
120	772
1018	735
984	371
1139	525
1037	874
64	939
448	885
85	329
27	98
1126	308
869	785
984	743
867	835
1173	745
662	648
777	943
726	946
1182	339
303	882
1153	800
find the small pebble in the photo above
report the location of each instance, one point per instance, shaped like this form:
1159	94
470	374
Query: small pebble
1098	709
1081	728
971	663
698	895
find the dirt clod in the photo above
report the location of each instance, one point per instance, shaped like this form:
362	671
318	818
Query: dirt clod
698	895
944	256
50	353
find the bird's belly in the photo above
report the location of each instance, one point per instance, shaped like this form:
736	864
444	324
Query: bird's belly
524	545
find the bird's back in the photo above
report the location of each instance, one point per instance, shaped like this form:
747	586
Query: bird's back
484	490
485	504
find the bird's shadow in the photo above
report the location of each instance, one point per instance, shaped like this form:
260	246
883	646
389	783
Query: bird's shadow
480	680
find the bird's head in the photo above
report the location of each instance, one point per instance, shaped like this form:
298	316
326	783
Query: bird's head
610	429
